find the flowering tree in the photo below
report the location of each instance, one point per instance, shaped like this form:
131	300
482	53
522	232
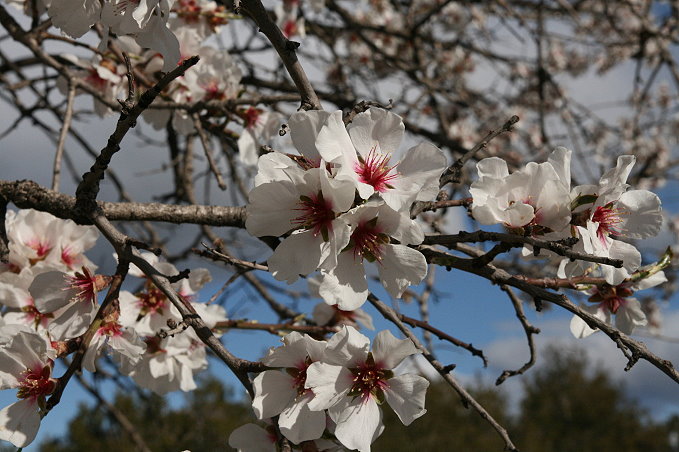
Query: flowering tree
282	114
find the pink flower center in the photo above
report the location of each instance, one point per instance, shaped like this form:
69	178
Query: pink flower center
251	116
298	375
86	284
612	297
188	10
95	81
112	329
290	28
152	301
213	91
41	247
36	382
367	241
370	380
68	257
317	214
609	220
34	316
374	170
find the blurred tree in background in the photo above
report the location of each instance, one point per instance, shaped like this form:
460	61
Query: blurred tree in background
566	407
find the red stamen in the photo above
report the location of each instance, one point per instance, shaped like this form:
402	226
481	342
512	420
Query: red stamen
374	170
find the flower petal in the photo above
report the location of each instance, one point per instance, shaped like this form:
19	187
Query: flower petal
405	395
388	351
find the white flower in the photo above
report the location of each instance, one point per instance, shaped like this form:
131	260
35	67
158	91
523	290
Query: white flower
104	76
535	196
609	210
351	382
282	392
72	299
364	151
260	128
149	310
615	300
25	363
14	294
169	364
310	200
39	237
124	344
372	225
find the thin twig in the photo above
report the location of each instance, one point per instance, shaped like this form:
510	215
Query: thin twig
529	329
205	141
285	49
467	398
452	173
562	247
68	116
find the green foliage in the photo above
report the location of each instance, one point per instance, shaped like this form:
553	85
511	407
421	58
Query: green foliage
568	407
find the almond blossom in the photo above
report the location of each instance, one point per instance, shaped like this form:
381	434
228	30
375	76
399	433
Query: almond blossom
311	201
14	294
39	237
351	382
123	344
71	298
616	300
372	226
365	149
168	364
282	392
536	196
608	210
26	361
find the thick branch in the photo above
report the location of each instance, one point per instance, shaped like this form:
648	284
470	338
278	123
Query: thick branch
27	194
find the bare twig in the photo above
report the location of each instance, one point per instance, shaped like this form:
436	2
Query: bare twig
452	173
561	248
205	141
530	331
68	116
285	49
467	398
87	190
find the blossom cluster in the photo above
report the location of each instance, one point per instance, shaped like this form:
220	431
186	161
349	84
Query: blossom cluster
538	200
50	293
345	202
335	385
